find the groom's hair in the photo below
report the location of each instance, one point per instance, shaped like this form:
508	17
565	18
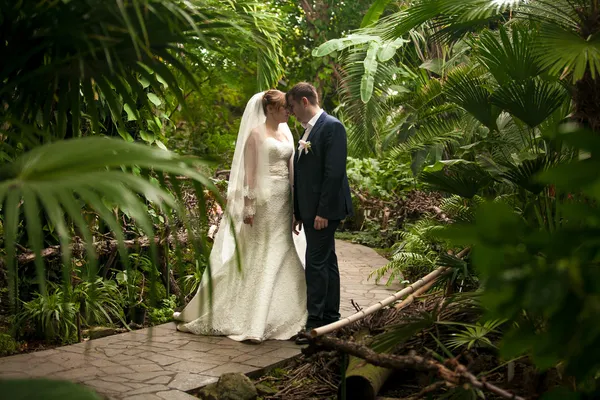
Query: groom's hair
303	89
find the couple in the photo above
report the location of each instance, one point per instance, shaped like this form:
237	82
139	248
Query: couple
284	207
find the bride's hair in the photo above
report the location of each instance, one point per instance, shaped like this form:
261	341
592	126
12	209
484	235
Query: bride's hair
273	98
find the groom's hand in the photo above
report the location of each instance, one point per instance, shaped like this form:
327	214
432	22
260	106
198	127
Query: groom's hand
297	226
321	223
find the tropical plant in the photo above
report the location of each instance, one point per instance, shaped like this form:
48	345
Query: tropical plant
52	316
473	335
68	76
100	302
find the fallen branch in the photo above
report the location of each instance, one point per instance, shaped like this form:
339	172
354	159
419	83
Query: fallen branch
378	306
459	376
100	247
426	390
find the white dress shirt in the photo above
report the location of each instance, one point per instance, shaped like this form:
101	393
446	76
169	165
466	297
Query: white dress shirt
309	127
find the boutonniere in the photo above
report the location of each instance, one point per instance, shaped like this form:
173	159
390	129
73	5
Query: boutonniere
306	146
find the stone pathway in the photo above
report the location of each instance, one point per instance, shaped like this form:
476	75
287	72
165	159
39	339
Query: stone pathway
161	363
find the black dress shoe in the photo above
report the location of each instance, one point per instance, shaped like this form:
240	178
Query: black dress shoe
301	340
302	336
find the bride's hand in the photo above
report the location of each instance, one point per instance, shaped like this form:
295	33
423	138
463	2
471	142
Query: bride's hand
249	220
297	226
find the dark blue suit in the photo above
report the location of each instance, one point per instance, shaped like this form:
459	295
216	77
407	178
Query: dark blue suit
321	189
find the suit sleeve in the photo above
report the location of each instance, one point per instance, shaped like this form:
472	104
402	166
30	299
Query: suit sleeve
292	172
335	153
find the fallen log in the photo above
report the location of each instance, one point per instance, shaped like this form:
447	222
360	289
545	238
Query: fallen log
78	247
456	377
363	380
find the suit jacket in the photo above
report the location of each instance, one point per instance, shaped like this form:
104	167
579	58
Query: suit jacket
320	181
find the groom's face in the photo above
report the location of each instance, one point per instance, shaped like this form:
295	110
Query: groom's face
299	109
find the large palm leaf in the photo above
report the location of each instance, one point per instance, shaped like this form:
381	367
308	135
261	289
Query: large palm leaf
463	178
63	177
532	101
467	88
508	55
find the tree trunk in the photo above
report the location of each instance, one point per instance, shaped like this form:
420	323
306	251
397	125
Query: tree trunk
586	98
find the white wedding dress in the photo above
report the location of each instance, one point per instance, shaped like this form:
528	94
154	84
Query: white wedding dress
266	299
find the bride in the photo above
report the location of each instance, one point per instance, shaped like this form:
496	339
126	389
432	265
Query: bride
264	297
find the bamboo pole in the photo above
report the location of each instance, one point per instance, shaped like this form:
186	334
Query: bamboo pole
379	305
411	289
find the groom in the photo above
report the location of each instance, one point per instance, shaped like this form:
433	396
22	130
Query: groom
321	201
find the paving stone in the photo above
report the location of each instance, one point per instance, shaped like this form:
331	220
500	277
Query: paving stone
180	342
117	370
114	378
148	389
285	352
242	358
190	366
44	368
229	367
161	359
103	363
200	346
225	352
107	386
262	362
135	385
161	380
45	353
146	376
145	396
150	367
186	381
175	395
211	358
161	363
183	354
77	374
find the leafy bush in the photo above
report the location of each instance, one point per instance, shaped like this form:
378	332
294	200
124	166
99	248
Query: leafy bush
382	179
8	345
163	314
99	302
546	280
51	316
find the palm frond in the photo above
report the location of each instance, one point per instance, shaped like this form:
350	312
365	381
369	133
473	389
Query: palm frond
525	173
61	177
467	88
465	179
532	101
508	55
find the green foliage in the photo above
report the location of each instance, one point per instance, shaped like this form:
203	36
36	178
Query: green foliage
163	314
45	389
544	281
100	302
52	316
8	345
473	336
415	254
383	179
